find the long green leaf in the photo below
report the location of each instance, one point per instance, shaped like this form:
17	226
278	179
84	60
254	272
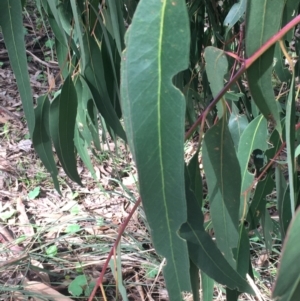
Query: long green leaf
258	204
254	137
237	124
154	112
235	14
290	142
216	69
207	286
288	279
202	249
115	12
79	30
41	138
283	201
195	281
95	78
63	112
12	29
266	13
223	176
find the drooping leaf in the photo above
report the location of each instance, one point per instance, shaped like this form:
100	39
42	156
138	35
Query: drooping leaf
216	68
283	201
82	149
266	13
254	137
202	249
63	112
94	76
195	281
242	252
12	29
117	21
282	71
154	112
207	286
288	278
91	113
237	124
41	138
232	295
267	226
289	12
223	177
236	12
258	204
242	257
290	121
79	29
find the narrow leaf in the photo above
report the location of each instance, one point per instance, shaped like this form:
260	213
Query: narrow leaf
12	29
202	249
266	13
207	286
223	176
117	21
95	78
63	112
259	201
254	137
290	142
41	138
235	14
288	278
154	112
267	226
216	68
237	124
79	29
195	281
82	149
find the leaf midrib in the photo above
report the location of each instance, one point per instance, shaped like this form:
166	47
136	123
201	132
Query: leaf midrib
159	104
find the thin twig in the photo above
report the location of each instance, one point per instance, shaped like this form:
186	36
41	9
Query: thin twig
121	231
35	58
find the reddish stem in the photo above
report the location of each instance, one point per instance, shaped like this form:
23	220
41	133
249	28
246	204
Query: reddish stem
247	63
121	231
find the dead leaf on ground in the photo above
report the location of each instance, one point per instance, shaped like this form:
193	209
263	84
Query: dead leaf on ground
43	290
24	221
